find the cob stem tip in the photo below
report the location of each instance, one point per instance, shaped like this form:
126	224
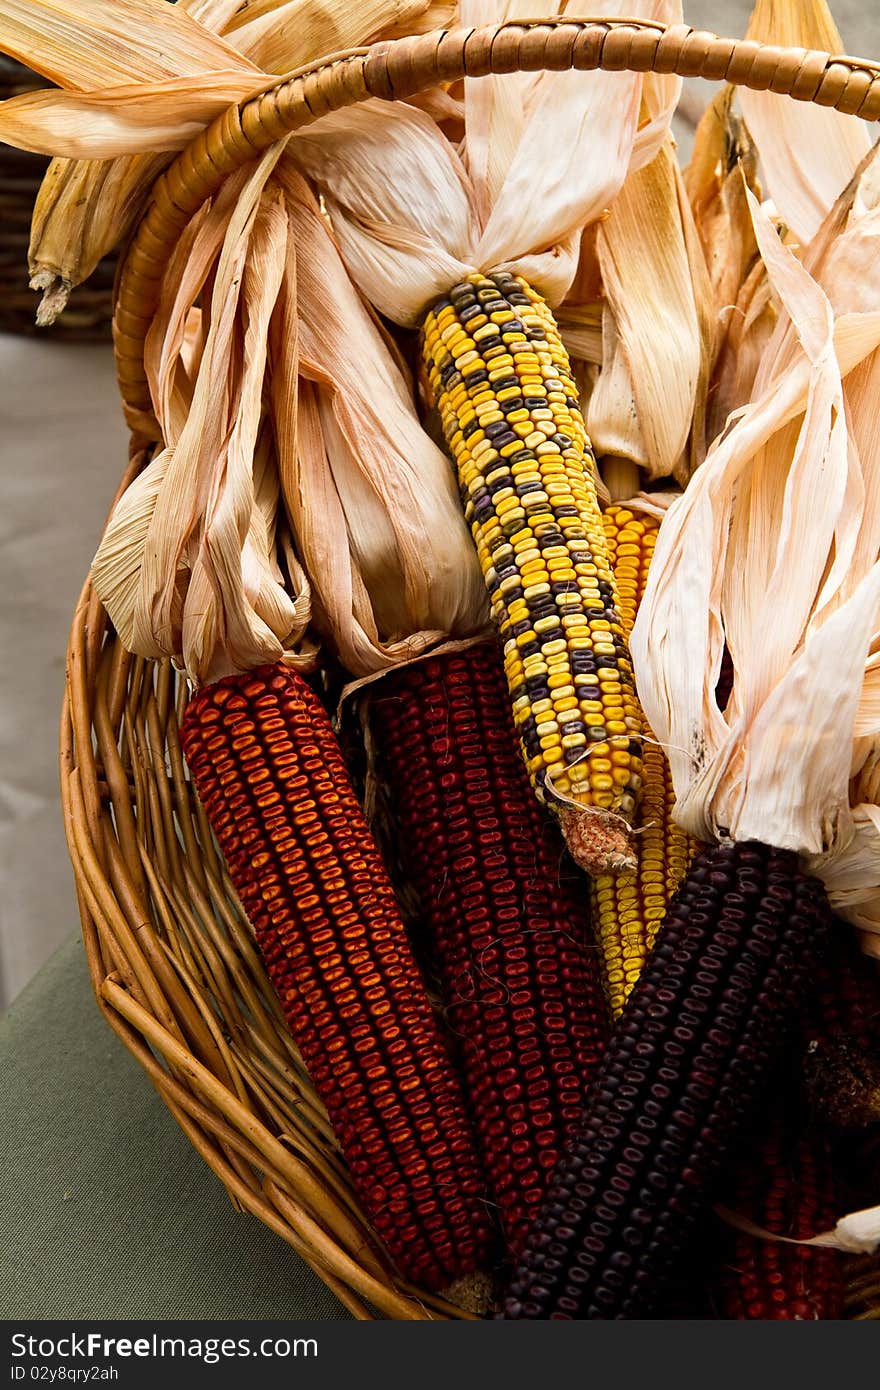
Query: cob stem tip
598	841
473	1292
843	1080
56	293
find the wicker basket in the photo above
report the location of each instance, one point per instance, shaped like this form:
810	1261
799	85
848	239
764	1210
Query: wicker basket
90	312
171	955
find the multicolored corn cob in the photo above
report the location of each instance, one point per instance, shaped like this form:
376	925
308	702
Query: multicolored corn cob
627	909
508	403
784	1183
271	777
506	912
731	969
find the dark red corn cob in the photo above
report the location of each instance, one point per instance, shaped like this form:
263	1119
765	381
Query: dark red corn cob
732	967
784	1182
271	777
506	912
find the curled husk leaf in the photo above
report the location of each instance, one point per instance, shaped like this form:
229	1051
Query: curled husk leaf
655	365
187	567
372	500
86	206
808	153
781	520
414	214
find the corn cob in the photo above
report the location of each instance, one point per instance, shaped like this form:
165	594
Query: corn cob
271	777
506	913
843	1053
731	968
627	909
783	1182
508	404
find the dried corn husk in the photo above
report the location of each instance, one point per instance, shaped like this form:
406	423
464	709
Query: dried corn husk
372	501
186	567
657	326
747	330
775	549
414	214
281	35
101	53
723	164
808	153
87	45
84	208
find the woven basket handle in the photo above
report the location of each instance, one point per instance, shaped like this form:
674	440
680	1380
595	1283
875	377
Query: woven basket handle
403	67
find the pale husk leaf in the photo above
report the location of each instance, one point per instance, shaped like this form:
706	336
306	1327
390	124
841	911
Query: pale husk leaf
410	218
372	501
122	120
660	356
87	45
84	208
746	331
553	186
286	34
722	166
610	410
808	152
399	200
748	540
186	568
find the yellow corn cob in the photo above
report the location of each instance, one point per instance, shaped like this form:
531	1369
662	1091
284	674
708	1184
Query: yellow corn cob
502	382
628	909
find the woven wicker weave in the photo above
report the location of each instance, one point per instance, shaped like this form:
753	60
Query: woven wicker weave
171	955
89	314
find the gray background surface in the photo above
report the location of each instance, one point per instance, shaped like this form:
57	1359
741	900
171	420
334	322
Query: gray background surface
62	449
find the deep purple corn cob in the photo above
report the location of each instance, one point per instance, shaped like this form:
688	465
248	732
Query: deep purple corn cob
506	913
731	969
271	777
784	1182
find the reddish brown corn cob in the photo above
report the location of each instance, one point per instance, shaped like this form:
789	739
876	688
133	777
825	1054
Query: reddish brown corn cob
628	908
732	967
784	1183
507	916
271	777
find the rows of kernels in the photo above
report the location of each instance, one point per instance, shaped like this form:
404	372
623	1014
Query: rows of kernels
508	404
784	1183
731	972
271	777
629	908
506	914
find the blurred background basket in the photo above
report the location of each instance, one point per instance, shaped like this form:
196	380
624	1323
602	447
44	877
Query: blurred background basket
89	316
171	954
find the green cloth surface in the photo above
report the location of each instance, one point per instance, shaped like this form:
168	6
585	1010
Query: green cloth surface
107	1211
